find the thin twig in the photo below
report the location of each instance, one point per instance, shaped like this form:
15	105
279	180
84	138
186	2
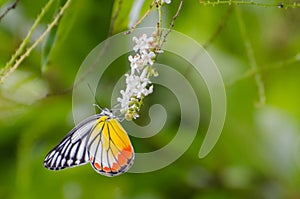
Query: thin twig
142	18
96	62
172	23
12	6
91	69
114	18
159	23
220	27
26	40
40	39
85	75
233	2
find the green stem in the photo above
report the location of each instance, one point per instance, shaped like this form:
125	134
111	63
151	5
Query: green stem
114	18
141	19
230	2
159	24
26	40
12	6
11	69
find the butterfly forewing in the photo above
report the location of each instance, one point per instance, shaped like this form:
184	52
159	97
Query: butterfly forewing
109	148
71	151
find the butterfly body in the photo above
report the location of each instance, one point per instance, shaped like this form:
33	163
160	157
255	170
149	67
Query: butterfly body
99	140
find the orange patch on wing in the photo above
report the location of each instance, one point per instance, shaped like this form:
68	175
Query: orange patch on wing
97	165
91	159
121	159
106	169
127	152
115	167
128	148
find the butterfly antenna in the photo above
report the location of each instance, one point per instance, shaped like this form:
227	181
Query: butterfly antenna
99	107
97	102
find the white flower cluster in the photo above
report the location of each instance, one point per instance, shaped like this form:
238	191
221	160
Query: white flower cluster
138	84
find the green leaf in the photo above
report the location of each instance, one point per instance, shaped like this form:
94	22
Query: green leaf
47	48
51	39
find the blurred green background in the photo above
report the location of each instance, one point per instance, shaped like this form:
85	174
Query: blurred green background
257	155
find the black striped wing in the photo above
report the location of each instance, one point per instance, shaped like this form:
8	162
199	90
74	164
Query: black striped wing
71	151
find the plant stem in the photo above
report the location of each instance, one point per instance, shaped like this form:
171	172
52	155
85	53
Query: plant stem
25	42
141	19
10	70
230	2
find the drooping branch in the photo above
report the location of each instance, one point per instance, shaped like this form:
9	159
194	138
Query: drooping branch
142	18
11	7
20	55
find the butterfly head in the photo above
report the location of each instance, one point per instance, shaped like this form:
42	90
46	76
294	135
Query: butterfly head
108	113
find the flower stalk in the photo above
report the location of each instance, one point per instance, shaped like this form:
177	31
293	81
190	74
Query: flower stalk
138	83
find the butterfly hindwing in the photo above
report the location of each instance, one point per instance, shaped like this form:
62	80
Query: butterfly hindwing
109	148
71	151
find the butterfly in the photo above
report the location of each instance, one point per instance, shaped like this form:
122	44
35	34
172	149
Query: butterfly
99	140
